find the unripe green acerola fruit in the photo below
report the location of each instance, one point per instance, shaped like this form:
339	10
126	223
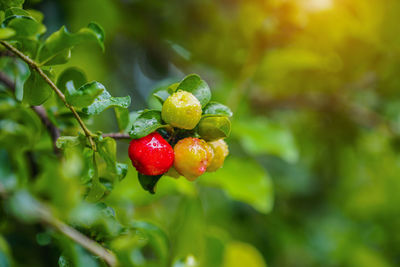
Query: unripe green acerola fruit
192	157
221	150
182	110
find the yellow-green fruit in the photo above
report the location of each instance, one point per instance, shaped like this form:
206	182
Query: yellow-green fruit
221	150
182	110
172	173
192	157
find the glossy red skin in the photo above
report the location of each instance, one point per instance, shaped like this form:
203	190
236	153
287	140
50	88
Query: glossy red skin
151	155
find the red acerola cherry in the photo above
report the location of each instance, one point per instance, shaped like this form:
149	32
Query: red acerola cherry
151	155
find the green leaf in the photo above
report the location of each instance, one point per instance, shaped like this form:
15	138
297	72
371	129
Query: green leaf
43	239
164	92
149	182
97	30
96	218
5	255
259	136
146	123
244	180
63	192
89	170
238	254
19	126
96	192
28	45
123	118
63	40
24	206
6	33
4	4
75	255
64	261
213	128
16	11
156	239
7	177
36	90
195	85
97	189
21	73
74	75
187	261
17	71
37	15
122	170
68	141
189	233
216	109
215	247
105	101
107	148
24	26
85	95
142	244
61	58
160	94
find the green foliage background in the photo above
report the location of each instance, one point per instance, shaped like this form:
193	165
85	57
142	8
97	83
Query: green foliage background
313	174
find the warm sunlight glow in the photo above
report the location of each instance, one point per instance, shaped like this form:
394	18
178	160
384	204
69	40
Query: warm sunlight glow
317	5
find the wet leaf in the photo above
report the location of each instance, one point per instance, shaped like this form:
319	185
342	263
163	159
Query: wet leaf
85	95
147	122
105	101
62	40
149	182
195	85
36	90
213	128
216	109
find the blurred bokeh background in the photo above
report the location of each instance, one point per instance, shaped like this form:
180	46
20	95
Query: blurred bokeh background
313	176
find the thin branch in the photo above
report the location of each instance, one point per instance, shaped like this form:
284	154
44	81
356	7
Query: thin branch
40	111
33	65
117	135
82	240
51	128
45	215
47	218
7	81
6	53
3	192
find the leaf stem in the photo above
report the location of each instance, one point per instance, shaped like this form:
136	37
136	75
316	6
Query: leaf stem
33	65
82	240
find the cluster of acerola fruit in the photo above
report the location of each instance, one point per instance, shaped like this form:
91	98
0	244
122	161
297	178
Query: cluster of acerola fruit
188	139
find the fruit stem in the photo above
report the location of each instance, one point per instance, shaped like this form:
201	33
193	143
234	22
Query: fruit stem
117	135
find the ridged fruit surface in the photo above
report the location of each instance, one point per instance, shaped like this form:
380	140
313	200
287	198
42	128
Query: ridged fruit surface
151	155
221	151
192	157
